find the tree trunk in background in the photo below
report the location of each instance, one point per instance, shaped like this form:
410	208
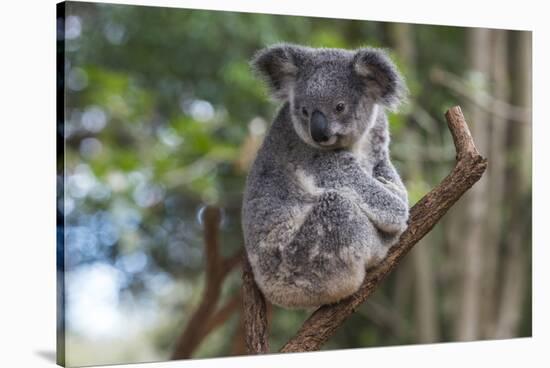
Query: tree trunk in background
451	271
524	98
404	275
426	312
425	300
402	293
515	263
401	35
496	177
473	243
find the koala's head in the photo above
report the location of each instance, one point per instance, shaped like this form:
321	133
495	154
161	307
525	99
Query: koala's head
333	94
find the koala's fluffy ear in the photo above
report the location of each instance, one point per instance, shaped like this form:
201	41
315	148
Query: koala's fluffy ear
382	80
278	65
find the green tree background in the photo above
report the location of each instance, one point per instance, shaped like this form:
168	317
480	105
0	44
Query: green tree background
163	117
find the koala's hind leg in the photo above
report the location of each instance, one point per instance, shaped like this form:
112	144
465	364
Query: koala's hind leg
328	255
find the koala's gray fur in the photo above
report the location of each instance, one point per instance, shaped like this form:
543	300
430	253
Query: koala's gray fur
316	215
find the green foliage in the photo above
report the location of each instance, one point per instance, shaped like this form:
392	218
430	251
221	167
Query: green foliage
158	106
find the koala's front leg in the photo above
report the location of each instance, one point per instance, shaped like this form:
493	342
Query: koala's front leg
385	206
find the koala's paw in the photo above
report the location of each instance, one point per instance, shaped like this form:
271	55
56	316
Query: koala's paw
391	186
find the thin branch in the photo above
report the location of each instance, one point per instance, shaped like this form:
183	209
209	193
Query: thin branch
229	263
469	168
205	318
483	99
211	220
222	315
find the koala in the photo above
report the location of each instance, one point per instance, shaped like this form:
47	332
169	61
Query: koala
323	201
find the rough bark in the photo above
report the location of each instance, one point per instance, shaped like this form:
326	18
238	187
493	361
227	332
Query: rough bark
322	324
255	313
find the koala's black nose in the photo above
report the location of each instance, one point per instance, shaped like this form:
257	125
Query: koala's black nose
319	127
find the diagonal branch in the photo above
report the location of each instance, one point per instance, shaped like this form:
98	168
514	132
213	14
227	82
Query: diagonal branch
322	324
221	315
481	98
229	263
469	168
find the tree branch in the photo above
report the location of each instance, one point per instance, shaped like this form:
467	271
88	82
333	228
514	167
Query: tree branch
221	315
229	263
469	168
481	98
205	318
255	313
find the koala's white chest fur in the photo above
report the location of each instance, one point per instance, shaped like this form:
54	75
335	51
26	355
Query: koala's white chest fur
363	152
307	182
363	148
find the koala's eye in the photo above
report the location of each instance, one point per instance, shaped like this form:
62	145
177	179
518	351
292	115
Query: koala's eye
340	107
304	112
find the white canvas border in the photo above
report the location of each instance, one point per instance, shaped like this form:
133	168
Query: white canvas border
27	154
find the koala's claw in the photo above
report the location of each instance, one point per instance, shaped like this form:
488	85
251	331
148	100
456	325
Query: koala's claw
391	186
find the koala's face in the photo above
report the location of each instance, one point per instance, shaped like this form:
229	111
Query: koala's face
333	94
327	104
